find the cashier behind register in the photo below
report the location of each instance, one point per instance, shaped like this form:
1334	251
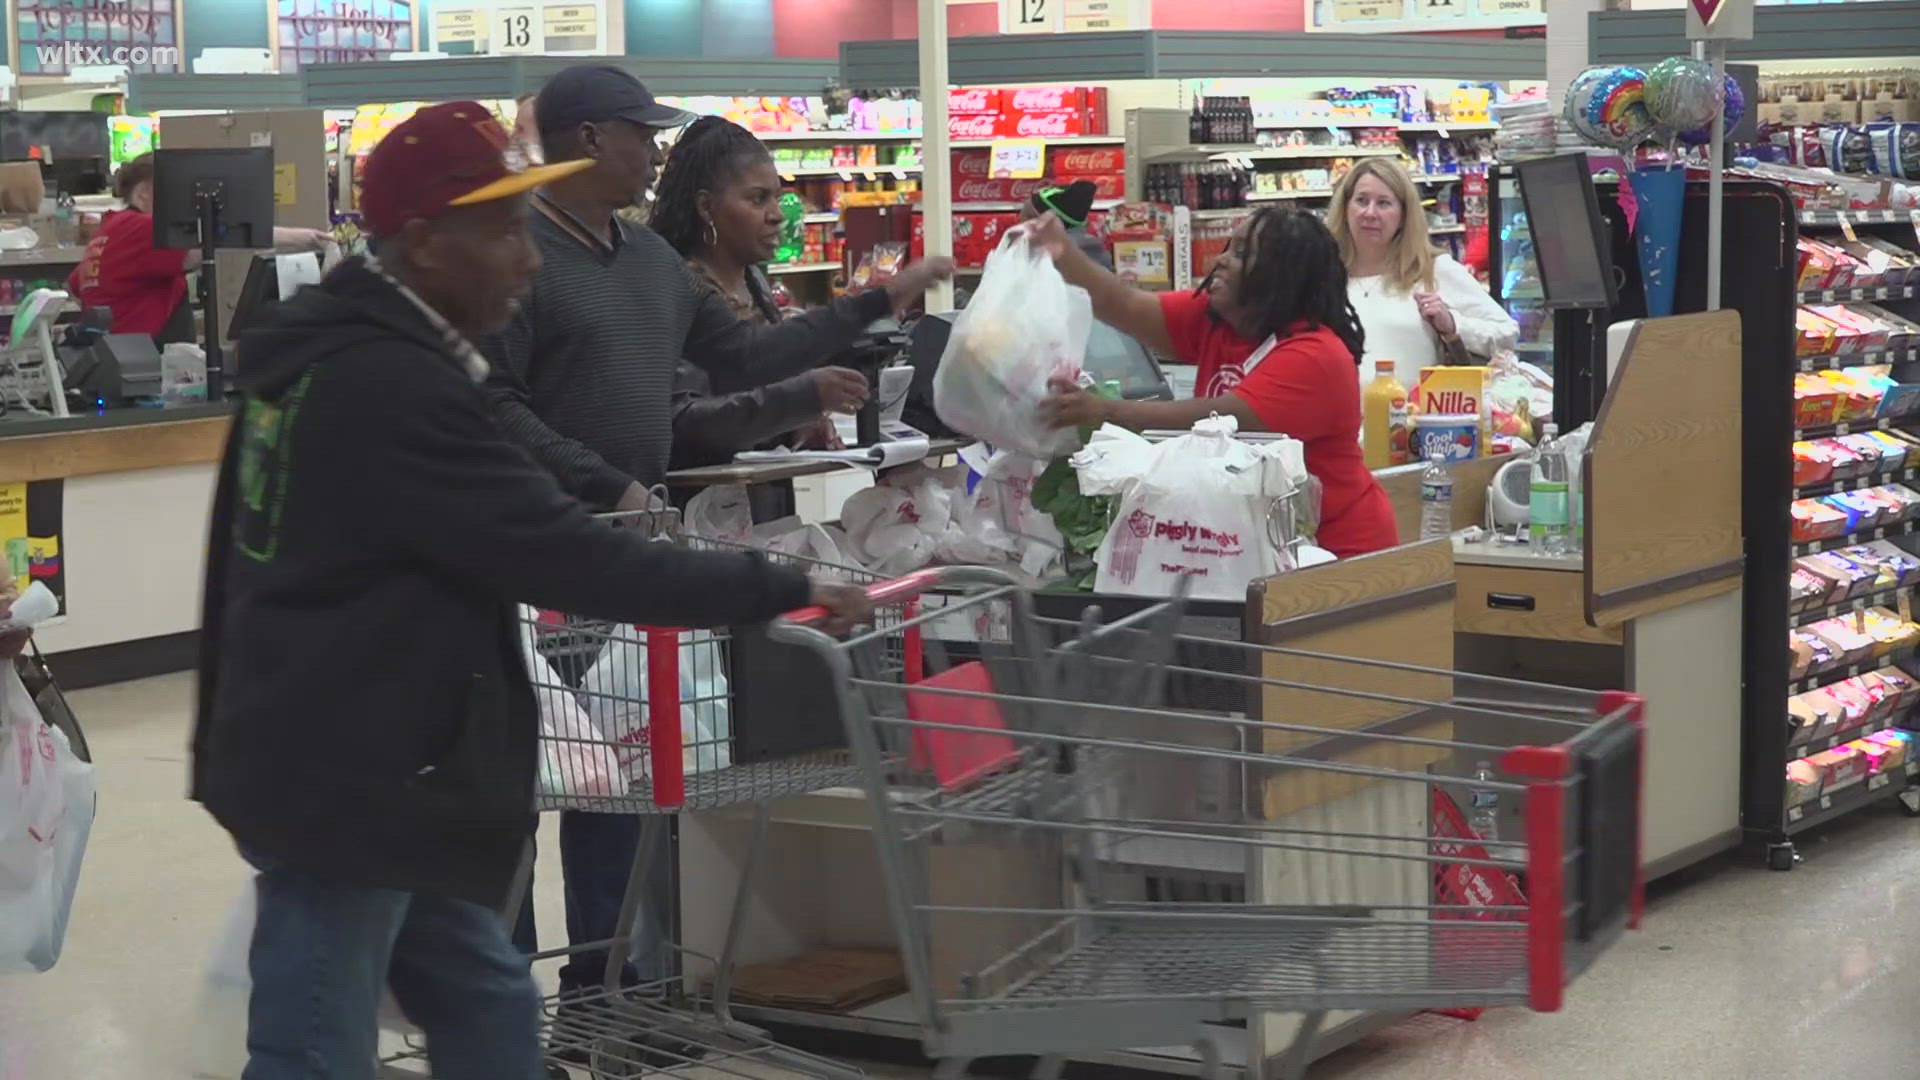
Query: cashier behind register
146	286
1275	339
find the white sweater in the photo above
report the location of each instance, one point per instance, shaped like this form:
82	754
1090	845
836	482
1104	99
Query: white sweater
1395	330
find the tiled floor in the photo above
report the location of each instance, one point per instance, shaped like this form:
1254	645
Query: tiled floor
1740	973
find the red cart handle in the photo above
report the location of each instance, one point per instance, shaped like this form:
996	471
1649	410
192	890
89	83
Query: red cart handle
885	592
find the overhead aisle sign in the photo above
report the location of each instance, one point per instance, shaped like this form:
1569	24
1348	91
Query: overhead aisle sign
521	27
1413	16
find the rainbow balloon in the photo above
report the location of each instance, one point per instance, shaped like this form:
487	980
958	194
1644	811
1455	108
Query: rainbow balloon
1607	106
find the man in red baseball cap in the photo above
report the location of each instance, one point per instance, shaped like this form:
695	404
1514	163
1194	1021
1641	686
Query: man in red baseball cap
367	730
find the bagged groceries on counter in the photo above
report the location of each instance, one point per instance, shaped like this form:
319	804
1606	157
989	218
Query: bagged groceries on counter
721	512
615	691
1199	506
575	757
1005	524
46	811
1024	326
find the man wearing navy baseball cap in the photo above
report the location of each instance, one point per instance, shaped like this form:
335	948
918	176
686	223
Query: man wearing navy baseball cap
366	728
583	377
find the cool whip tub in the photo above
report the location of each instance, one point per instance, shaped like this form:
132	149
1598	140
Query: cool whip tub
1454	436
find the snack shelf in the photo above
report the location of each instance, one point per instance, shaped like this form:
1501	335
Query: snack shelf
1063	140
914	136
1416	127
803	268
1862	536
1830	219
865	172
1857	483
1849	671
1839	738
1871	292
1446	230
1249	153
1866	356
1874	788
1876	598
1850	427
828	218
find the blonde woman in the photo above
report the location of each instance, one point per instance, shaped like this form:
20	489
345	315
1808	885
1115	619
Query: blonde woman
1418	307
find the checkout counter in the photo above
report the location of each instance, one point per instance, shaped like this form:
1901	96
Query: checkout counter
1653	605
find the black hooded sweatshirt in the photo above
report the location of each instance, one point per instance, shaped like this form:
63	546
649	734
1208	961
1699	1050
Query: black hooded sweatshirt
364	710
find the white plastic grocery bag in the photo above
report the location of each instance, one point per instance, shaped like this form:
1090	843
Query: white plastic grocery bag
46	811
616	692
1193	506
575	756
1024	326
217	1049
721	512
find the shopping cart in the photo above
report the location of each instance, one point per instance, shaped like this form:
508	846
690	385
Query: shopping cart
1105	816
659	721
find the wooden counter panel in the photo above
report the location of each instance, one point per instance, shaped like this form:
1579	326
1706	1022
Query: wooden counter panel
1559	605
57	455
1663	481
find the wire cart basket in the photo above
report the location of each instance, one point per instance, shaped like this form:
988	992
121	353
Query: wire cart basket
659	721
1100	810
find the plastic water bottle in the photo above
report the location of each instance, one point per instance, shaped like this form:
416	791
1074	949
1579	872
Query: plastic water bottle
1547	522
1485	821
1436	498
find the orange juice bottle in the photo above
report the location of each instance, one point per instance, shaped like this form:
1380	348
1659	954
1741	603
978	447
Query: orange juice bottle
1383	419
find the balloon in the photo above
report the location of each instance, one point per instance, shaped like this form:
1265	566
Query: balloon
1682	94
1733	110
1606	106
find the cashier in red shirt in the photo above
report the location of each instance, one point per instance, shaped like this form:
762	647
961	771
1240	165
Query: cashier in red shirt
1276	343
145	286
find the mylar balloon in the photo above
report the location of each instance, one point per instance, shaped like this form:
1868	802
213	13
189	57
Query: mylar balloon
1606	106
1733	110
1682	94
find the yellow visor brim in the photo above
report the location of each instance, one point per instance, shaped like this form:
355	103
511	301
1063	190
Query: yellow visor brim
525	180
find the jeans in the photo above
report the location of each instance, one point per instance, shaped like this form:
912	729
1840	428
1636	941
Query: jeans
323	952
596	856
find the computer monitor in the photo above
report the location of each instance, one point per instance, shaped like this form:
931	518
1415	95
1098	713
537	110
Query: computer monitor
243	181
1569	237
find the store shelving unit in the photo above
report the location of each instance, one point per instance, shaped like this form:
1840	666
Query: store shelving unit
1791	821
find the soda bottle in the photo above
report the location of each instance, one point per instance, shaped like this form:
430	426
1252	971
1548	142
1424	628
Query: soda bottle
1485	821
793	215
1436	498
1547	522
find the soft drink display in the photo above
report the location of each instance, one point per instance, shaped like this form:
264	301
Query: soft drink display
1208	186
1547	521
1221	120
1436	498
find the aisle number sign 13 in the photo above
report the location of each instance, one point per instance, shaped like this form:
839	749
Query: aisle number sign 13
514	29
1031	16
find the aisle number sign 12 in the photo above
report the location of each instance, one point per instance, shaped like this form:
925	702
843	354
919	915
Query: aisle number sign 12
1031	16
1017	159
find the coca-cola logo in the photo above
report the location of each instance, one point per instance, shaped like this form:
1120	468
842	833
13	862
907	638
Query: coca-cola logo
975	165
1042	124
978	191
976	99
972	127
1036	98
1087	161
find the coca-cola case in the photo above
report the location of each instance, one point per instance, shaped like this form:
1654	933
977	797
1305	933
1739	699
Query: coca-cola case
1085	161
1048	124
966	126
992	190
1021	99
972	100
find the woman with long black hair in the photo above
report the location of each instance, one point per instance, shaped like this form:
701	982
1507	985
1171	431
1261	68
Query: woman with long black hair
1276	341
718	205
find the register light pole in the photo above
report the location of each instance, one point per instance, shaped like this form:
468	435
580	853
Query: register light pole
936	182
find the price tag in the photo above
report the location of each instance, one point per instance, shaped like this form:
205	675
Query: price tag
1806	362
787	176
1795	814
1333	130
1445	134
846	175
1879	781
899	173
1826	802
1846	226
1878	261
1017	159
